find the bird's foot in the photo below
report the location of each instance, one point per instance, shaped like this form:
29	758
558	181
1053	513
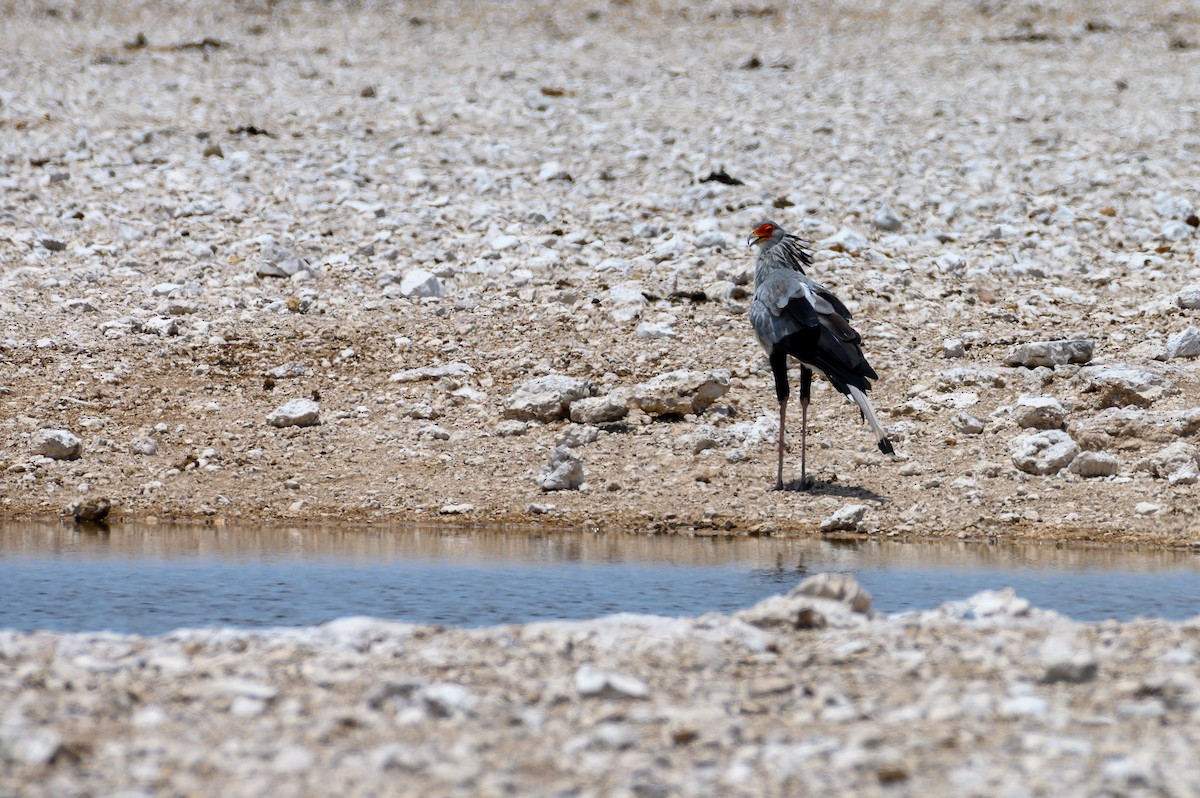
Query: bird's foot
805	483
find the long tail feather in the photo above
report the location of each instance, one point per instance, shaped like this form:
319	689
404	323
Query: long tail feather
868	413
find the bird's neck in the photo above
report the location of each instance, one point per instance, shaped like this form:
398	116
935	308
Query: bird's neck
772	260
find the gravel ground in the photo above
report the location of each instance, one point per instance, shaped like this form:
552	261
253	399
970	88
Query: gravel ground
982	697
302	261
394	217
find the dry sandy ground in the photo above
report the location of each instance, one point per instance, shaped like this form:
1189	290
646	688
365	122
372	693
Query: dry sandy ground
1040	161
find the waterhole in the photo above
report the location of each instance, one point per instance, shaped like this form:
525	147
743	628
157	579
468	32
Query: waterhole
152	579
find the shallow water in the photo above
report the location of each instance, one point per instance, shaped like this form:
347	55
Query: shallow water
153	579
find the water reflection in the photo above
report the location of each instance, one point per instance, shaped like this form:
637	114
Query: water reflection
154	578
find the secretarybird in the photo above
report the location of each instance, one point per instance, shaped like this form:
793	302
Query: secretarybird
794	315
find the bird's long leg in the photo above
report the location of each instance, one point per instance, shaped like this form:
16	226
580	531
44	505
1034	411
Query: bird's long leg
782	390
779	462
806	376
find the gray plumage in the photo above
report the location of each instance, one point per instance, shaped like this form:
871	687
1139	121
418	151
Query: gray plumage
794	315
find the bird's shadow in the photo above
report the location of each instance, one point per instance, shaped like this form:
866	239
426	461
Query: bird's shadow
817	488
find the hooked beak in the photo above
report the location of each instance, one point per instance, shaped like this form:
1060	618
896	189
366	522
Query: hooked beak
754	239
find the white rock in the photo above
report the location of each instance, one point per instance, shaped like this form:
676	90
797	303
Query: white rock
1147	508
1173	206
654	330
420	283
1051	353
886	219
1176	230
295	413
31	747
553	170
456	509
600	409
454	369
577	435
1095	464
837	586
967	424
846	517
57	444
546	398
1184	344
1118	386
501	243
844	240
953	347
564	471
1040	412
712	238
680	392
590	682
1067	658
146	447
1178	463
1043	453
625	301
294	368
997	603
1189	297
279	262
1131	427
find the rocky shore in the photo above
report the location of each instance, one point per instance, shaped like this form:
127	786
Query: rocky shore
484	263
804	694
481	263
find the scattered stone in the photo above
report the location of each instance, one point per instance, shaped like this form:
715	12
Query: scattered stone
1043	453
291	369
279	262
1051	353
1095	464
1173	206
1067	659
1004	603
625	301
1147	508
553	170
578	435
93	510
546	398
511	428
678	393
456	509
1178	463
57	444
702	438
1132	427
1120	386
886	219
591	682
844	240
454	369
654	330
600	409
146	447
967	424
846	518
295	413
953	347
836	587
564	471
1040	412
1189	297
1184	344
419	283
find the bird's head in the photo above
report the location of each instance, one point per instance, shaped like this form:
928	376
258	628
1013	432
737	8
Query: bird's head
765	232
